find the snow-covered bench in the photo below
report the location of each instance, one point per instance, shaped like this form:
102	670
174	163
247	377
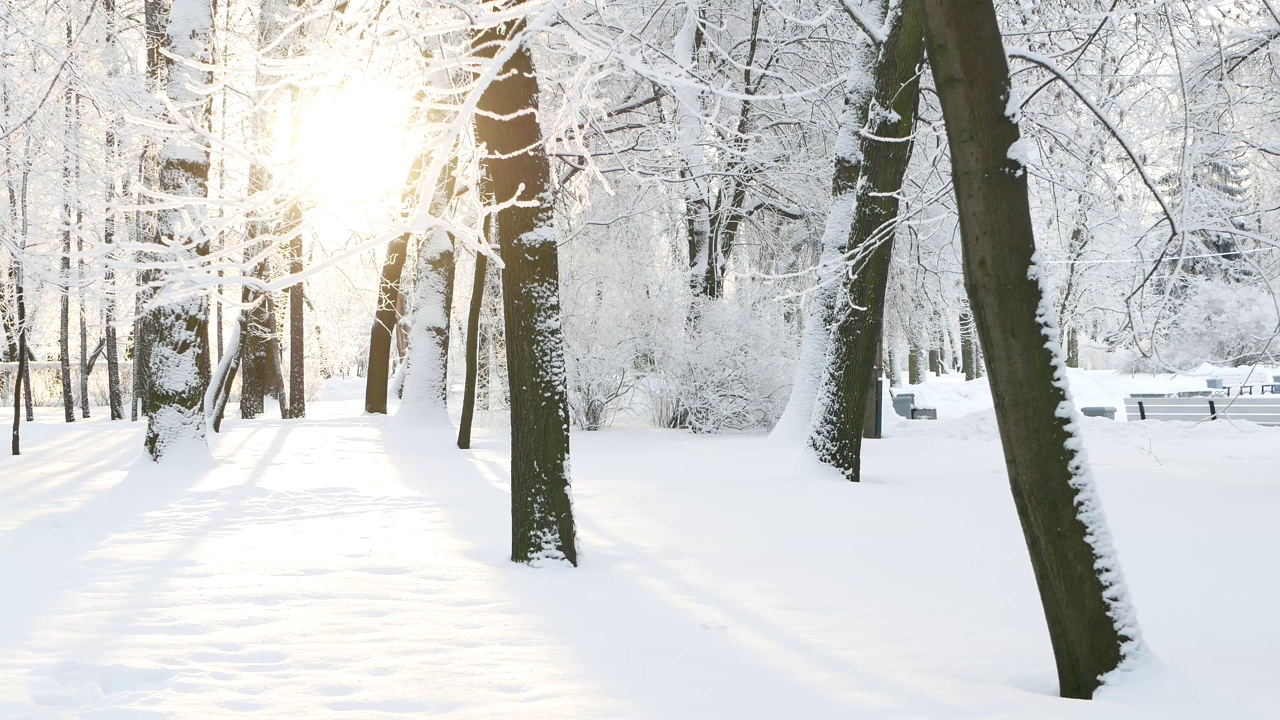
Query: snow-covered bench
904	404
1264	410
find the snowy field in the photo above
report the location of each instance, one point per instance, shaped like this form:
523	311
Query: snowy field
345	566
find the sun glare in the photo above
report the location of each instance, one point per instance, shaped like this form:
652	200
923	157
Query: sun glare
353	148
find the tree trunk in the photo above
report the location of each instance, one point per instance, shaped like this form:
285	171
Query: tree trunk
139	369
180	326
254	363
506	123
115	397
219	392
64	275
473	349
894	365
968	353
384	321
426	362
297	329
23	376
1091	624
8	306
693	170
274	365
85	366
425	386
15	444
847	396
915	359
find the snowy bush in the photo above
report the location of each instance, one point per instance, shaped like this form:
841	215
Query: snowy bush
1222	323
729	370
600	358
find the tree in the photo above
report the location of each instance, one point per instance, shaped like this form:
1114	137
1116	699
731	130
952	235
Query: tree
68	225
873	176
179	321
23	373
472	351
1091	623
506	124
384	320
115	398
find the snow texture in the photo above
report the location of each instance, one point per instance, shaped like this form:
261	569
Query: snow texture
424	368
344	567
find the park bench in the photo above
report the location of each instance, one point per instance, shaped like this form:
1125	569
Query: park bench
905	405
1244	384
1264	410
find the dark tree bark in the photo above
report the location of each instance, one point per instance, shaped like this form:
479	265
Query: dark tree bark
893	365
1091	624
473	349
915	361
517	166
115	398
847	396
220	391
385	316
255	360
24	371
297	330
384	321
968	350
275	379
141	404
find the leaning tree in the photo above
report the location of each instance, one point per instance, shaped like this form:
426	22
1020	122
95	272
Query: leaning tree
1092	625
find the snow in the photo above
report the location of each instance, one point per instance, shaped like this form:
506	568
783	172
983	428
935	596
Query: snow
347	566
1020	152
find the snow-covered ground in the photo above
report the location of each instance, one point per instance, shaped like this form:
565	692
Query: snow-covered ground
345	566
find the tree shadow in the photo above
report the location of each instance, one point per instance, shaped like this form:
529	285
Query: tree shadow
645	636
42	557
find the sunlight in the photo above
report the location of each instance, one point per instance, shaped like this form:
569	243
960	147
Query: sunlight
353	148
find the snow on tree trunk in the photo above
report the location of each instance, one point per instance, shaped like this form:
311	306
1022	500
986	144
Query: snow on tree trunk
688	127
425	384
506	123
179	325
1091	623
847	390
64	276
796	422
